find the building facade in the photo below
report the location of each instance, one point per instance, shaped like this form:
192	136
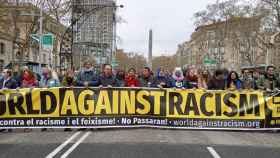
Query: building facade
19	23
233	44
95	31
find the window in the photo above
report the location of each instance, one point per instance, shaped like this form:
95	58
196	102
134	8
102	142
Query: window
1	65
2	48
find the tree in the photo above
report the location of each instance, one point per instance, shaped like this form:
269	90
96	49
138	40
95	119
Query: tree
242	23
250	42
273	10
168	62
20	27
58	9
130	60
223	10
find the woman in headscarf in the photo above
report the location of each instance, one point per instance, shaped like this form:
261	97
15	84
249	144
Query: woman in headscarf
177	78
161	80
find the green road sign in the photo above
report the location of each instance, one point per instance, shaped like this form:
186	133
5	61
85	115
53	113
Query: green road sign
114	63
47	41
210	62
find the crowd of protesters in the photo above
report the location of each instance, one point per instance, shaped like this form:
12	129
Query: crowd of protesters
190	78
182	79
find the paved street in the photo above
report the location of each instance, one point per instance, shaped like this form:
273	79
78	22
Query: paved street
139	143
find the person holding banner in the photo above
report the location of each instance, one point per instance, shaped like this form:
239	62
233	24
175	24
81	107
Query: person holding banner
69	79
178	78
161	80
247	80
131	79
29	79
120	78
217	82
87	77
270	82
107	78
203	79
146	79
233	81
257	78
49	80
7	82
191	79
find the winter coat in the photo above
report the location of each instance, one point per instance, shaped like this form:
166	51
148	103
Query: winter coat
236	83
162	79
146	81
248	83
88	76
132	82
269	83
49	82
9	84
107	80
215	84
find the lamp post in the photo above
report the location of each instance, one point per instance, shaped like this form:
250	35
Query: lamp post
86	15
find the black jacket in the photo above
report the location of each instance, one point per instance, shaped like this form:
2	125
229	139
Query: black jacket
10	84
159	80
108	80
215	84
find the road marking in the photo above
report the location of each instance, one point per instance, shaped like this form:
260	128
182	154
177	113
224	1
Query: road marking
213	152
59	148
74	146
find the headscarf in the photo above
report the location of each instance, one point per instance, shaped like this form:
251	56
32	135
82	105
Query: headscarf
178	74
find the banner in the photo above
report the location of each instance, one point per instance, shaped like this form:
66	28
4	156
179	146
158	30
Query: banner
123	107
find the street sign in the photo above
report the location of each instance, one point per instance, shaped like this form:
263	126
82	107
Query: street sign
209	62
114	63
47	41
35	37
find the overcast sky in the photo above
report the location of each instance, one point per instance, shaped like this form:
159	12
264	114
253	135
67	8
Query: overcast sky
171	21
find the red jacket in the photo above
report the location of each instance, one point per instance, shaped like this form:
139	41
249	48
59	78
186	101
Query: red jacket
131	81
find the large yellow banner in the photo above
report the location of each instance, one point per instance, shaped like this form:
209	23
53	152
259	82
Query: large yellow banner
68	107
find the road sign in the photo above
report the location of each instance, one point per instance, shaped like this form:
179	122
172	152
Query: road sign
35	37
210	62
114	63
47	41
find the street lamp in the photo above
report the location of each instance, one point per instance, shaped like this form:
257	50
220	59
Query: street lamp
86	15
